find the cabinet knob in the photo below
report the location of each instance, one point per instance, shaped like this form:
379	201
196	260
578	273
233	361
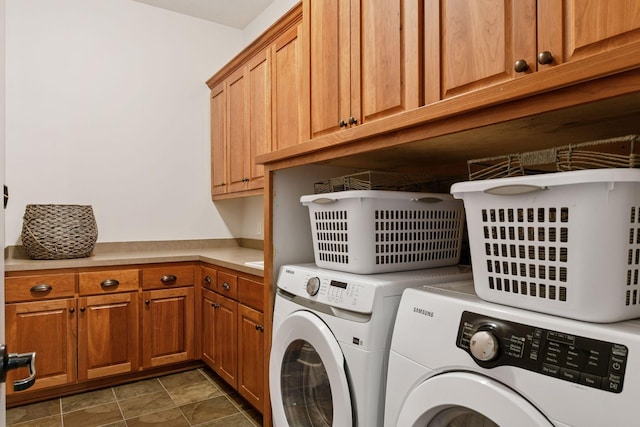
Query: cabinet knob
342	124
226	286
82	309
260	328
545	58
147	302
521	66
207	280
168	279
215	305
353	121
72	310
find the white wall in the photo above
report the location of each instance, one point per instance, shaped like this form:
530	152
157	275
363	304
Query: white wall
106	105
263	21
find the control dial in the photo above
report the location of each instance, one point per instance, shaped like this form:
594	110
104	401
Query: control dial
313	286
484	346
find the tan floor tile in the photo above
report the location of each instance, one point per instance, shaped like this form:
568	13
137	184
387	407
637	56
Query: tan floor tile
94	416
237	420
169	418
86	400
53	421
193	393
33	411
208	410
182	379
147	404
138	388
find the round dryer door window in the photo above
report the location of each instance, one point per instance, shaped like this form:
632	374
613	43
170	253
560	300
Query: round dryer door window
307	379
457	399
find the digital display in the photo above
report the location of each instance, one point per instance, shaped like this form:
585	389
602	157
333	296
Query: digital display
337	284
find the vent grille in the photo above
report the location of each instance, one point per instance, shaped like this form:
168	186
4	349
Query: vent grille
633	258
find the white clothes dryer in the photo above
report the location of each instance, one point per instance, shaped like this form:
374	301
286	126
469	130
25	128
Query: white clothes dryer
457	360
331	338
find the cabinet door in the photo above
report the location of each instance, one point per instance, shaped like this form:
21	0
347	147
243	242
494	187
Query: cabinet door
226	339
49	329
218	140
388	71
576	29
107	335
258	115
474	44
290	106
237	131
329	42
167	326
251	356
209	304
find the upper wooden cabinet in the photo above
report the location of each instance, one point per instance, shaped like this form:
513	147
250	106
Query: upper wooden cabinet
471	45
364	59
257	106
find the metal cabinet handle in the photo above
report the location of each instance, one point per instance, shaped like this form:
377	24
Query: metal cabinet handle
72	310
342	124
168	279
353	121
215	305
545	58
147	302
13	361
521	66
109	283
226	286
82	309
41	288
260	328
207	280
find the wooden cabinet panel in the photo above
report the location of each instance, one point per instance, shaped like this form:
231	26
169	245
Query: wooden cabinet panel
101	282
167	326
209	304
168	276
227	284
250	356
226	339
251	293
107	335
209	278
36	287
290	106
237	130
218	101
49	329
258	116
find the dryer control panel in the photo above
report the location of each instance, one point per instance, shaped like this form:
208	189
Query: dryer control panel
494	342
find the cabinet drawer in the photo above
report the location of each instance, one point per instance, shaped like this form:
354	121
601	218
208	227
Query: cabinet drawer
168	276
251	293
29	288
227	285
209	277
101	282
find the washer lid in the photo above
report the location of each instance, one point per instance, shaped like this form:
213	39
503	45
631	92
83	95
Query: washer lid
307	379
443	399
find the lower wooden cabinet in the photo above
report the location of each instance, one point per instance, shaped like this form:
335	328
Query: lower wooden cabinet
167	326
49	329
108	335
232	331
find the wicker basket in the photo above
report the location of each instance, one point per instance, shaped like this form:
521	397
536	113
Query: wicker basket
59	231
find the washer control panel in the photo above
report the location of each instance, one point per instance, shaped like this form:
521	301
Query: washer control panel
494	342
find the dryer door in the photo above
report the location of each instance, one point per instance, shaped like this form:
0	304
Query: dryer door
462	398
308	383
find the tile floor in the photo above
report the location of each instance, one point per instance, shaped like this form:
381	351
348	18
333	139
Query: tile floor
192	398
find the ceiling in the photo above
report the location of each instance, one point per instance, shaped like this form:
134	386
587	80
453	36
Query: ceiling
236	13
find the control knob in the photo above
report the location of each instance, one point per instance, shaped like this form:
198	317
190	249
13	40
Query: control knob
313	286
484	346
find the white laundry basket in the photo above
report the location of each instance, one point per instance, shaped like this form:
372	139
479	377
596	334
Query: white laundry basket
564	243
376	231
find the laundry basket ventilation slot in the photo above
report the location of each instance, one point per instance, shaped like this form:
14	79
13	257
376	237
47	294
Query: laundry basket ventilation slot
633	261
527	251
332	236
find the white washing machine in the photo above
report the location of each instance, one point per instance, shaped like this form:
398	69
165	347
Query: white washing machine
456	360
331	337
